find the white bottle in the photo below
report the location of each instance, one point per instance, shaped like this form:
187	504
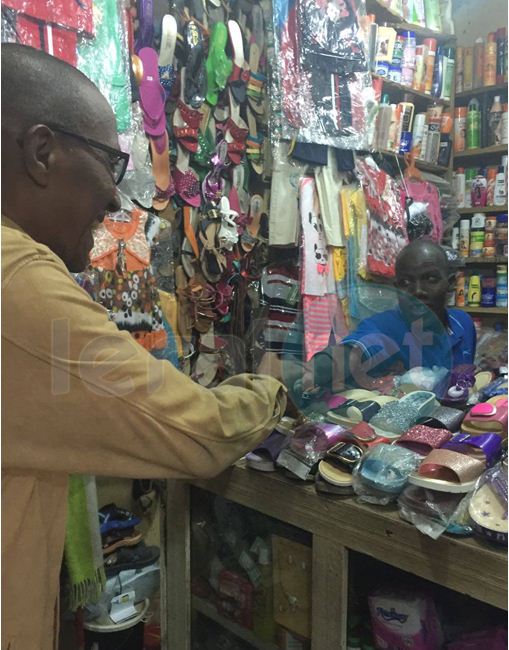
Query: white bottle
504	127
500	194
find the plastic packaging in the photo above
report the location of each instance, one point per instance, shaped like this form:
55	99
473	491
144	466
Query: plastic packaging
383	123
488	505
500	36
488	291
105	59
321	78
418	134
138	182
428	510
383	473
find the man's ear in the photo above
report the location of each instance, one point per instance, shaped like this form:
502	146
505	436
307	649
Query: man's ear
38	145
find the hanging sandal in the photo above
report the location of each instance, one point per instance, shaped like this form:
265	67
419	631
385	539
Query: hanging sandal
152	95
213	183
164	185
167	72
190	250
187	183
249	237
213	262
256	82
228	233
240	74
195	53
254	144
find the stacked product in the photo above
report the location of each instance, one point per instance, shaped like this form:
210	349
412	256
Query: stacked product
480	187
483	64
425	13
468	125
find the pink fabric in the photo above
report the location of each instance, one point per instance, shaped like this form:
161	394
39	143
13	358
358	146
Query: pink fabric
319	318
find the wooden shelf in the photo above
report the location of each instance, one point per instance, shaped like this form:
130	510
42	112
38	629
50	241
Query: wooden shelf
384	14
400	88
208	609
500	149
466	94
420	164
485	210
499	259
485	310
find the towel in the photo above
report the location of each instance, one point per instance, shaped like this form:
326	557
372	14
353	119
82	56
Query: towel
83	548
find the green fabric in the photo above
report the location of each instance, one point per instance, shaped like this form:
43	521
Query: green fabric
84	567
104	60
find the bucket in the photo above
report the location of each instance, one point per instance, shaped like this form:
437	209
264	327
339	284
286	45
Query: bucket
127	635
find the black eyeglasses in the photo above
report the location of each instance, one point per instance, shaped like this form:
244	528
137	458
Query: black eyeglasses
118	159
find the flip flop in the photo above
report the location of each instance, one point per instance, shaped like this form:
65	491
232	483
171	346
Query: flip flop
254	143
196	85
218	65
249	237
167	72
152	95
145	32
448	471
117	539
240	74
130	558
256	82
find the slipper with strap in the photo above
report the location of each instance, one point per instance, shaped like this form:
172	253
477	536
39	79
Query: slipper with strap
187	183
167	72
240	74
256	82
190	250
152	95
196	85
165	188
254	143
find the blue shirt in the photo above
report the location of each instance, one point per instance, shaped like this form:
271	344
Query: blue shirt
390	340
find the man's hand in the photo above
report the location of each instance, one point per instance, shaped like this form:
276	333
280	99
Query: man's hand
270	364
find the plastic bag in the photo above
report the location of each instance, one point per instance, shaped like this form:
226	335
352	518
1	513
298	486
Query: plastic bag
387	234
491	352
383	473
488	505
138	182
105	59
421	378
325	92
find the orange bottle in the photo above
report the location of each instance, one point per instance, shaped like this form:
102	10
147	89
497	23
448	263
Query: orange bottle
490	61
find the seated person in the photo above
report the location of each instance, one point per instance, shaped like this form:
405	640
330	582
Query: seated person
421	331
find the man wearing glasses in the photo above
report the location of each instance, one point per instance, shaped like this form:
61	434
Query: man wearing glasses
79	396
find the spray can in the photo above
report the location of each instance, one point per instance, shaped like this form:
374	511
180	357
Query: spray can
438	72
434	118
500	55
383	123
490	60
408	63
431	45
448	80
494	122
468	68
470	174
500	194
432	13
479	190
420	56
491	176
460	128
418	133
478	62
473	136
464	237
504	125
459	188
459	70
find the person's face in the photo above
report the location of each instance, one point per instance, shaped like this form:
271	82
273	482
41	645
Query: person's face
83	190
424	281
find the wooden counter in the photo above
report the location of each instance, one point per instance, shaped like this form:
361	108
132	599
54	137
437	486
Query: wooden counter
337	525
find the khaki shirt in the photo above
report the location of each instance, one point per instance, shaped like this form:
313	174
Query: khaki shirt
79	396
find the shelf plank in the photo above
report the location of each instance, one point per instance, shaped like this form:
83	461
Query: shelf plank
420	164
378	532
466	94
484	310
482	151
208	609
499	259
384	14
400	88
484	210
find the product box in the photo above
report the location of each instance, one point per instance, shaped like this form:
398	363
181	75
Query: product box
404	620
292	564
235	598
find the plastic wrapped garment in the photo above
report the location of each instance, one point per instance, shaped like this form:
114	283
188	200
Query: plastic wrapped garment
52	26
105	59
325	93
424	214
387	233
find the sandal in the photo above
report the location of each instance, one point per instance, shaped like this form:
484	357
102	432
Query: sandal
167	71
187	183
256	82
254	144
201	299
396	417
457	466
217	65
113	518
488	506
152	95
190	251
164	185
264	457
213	183
249	237
487	416
196	85
339	461
117	539
213	262
235	136
422	439
128	559
387	468
206	142
145	32
240	74
228	234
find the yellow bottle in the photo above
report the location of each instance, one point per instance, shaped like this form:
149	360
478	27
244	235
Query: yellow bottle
474	291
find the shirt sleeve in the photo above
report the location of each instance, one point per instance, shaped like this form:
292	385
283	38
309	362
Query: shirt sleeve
79	396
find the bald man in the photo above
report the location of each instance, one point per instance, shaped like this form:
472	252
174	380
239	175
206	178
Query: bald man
78	396
421	331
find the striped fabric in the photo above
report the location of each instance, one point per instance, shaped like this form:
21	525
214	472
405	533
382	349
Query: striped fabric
281	294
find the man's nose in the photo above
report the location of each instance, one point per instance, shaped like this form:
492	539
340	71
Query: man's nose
419	289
